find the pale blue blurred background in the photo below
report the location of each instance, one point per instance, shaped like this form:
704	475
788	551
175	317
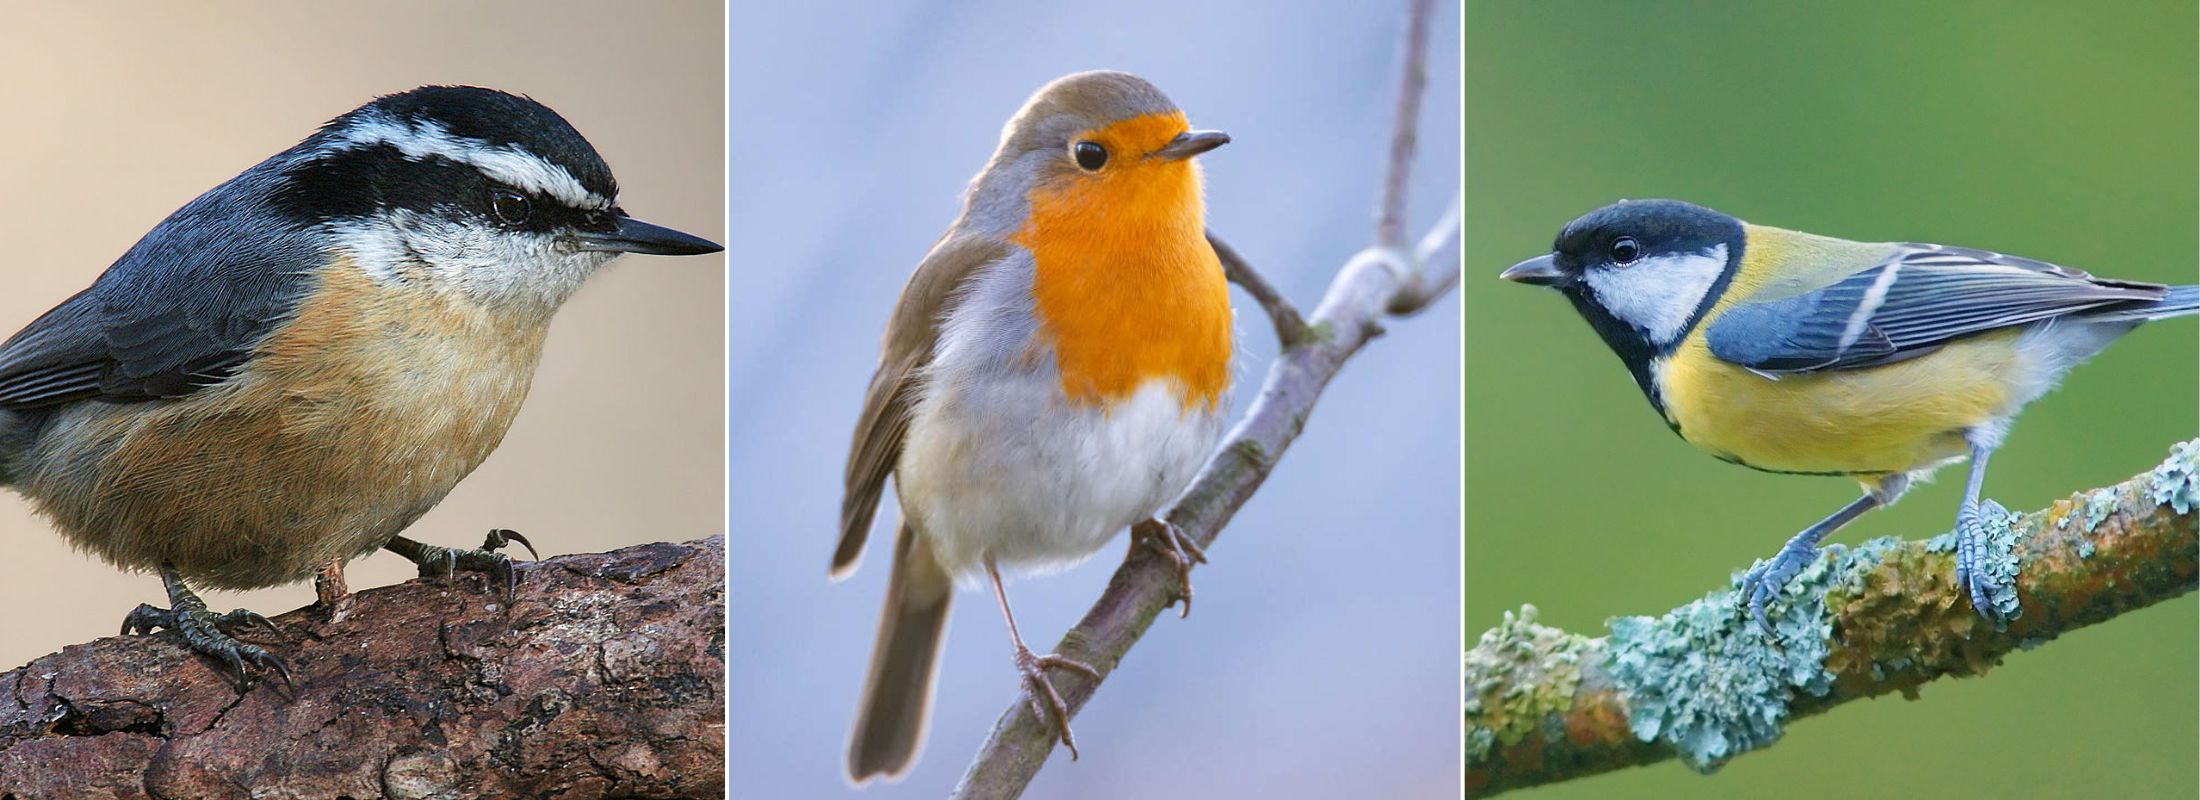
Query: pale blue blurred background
1322	659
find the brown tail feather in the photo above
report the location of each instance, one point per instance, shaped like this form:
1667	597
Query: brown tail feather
897	697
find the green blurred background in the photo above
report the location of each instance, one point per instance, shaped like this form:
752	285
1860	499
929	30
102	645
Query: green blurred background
2058	131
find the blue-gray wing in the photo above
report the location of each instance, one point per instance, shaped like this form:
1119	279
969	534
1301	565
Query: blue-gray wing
180	311
1917	300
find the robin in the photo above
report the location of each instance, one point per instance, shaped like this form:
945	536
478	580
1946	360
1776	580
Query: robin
1055	371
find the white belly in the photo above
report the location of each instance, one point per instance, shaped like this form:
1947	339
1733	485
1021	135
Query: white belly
1005	470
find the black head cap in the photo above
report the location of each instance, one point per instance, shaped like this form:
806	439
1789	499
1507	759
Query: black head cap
498	119
1632	230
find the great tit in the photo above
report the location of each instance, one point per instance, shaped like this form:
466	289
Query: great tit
1790	352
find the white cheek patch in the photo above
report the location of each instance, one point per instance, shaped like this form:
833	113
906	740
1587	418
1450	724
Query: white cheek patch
1658	295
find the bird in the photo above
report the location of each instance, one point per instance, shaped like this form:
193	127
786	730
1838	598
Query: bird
286	372
1056	370
1791	352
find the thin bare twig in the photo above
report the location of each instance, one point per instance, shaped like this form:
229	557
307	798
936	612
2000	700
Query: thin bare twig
1347	319
1703	685
1290	327
1405	128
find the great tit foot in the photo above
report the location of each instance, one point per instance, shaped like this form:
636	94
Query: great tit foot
1046	703
213	635
1764	580
444	563
1178	547
1970	561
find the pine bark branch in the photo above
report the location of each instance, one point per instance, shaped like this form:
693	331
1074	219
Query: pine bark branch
1703	685
1391	277
604	677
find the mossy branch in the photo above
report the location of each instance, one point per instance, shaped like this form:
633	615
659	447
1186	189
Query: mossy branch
1703	685
1391	277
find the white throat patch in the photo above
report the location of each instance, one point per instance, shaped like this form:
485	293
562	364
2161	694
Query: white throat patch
1658	295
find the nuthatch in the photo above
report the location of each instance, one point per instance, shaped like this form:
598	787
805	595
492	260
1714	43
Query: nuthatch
292	368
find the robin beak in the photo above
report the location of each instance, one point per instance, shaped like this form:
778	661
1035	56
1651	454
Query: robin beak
1190	143
1538	271
636	236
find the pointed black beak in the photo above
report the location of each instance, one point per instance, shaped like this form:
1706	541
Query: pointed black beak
636	236
1190	143
1538	271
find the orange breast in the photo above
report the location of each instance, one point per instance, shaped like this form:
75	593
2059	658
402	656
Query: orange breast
1128	289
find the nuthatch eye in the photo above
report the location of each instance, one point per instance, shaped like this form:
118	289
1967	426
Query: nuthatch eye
290	369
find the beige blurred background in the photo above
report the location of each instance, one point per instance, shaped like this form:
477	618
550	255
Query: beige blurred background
112	116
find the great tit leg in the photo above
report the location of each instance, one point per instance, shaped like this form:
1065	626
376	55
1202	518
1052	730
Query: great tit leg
442	563
1045	702
1971	542
1176	546
208	633
1763	581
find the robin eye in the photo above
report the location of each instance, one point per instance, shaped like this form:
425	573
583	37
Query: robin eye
1625	251
1091	156
511	207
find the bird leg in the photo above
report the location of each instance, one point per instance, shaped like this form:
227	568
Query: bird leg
442	563
206	632
331	594
1971	543
1763	581
1046	703
1175	545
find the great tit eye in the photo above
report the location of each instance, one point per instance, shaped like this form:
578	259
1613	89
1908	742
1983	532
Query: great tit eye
1625	251
510	206
1091	156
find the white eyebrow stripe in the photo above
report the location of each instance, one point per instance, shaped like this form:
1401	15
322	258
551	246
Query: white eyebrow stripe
505	163
1874	297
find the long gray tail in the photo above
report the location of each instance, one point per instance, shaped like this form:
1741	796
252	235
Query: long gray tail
2180	301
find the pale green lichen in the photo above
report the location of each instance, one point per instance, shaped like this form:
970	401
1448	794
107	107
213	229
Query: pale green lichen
2176	483
1518	673
1706	681
2099	503
2001	559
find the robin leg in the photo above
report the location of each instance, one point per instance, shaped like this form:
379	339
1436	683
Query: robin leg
1176	546
1971	573
206	632
441	563
1045	701
1763	581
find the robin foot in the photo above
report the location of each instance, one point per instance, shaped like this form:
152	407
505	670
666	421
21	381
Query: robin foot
443	563
1177	546
1046	702
208	633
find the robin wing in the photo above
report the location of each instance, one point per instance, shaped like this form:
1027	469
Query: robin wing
884	422
1907	305
180	311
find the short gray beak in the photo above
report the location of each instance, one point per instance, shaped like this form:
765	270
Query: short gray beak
1190	143
636	236
1538	271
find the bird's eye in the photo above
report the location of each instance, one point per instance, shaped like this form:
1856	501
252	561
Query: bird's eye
511	207
1091	156
1625	251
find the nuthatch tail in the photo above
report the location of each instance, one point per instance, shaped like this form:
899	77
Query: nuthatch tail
293	367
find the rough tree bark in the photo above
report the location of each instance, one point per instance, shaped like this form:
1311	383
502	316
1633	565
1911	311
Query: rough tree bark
604	677
1701	684
1392	277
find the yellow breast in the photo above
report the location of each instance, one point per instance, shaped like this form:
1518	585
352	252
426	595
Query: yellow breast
1903	416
